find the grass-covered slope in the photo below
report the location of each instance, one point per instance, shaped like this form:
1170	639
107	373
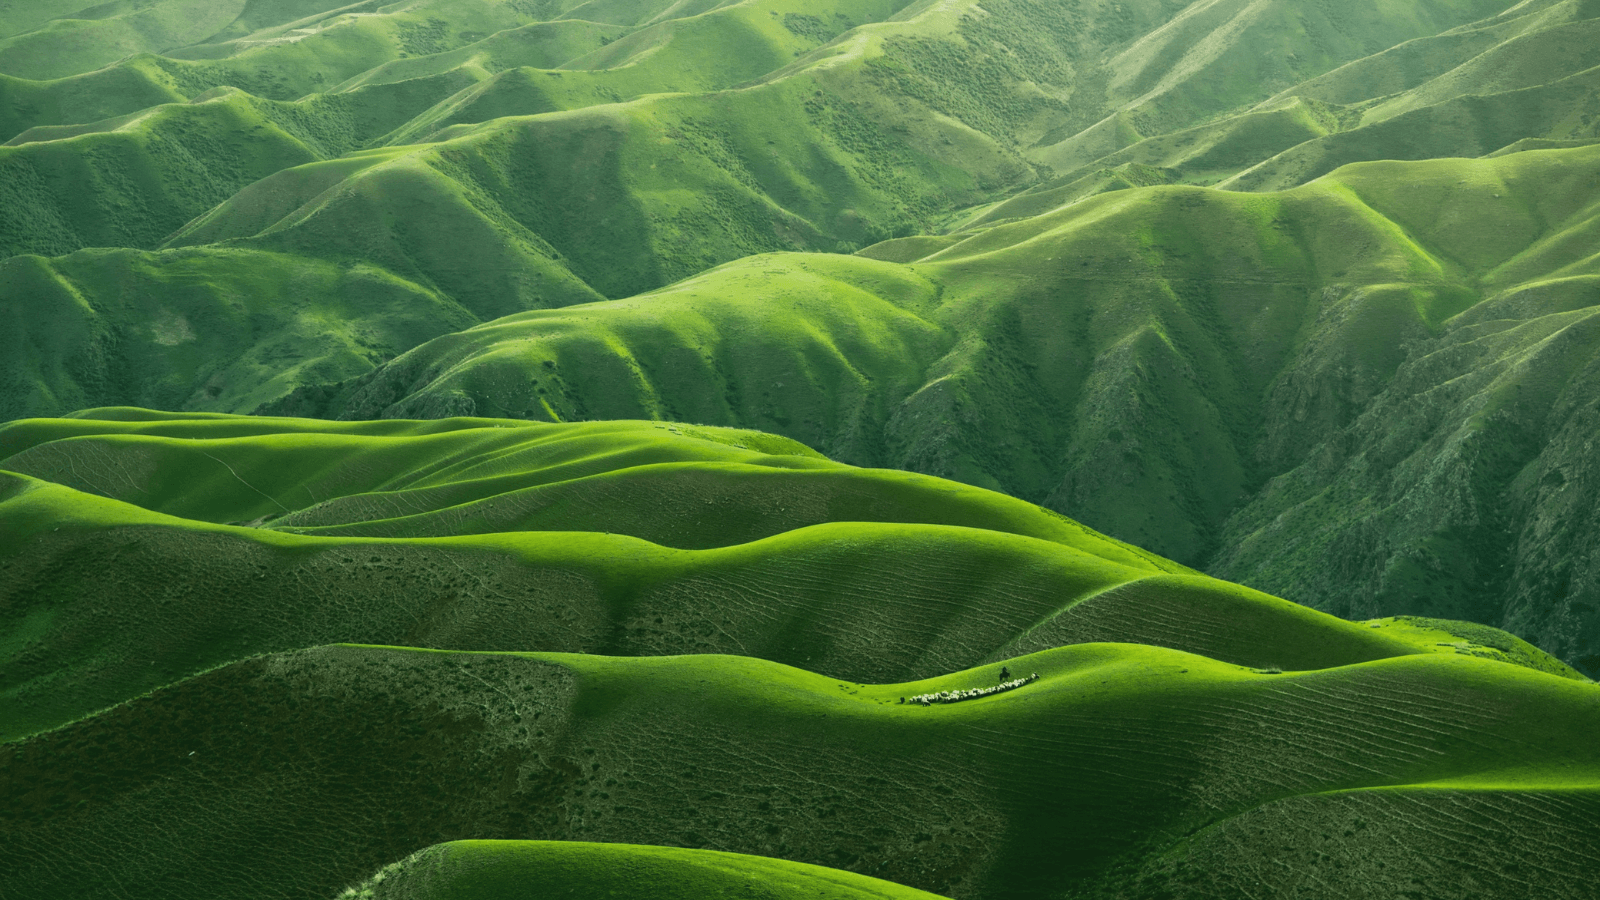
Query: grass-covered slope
120	573
631	196
225	327
1148	362
876	134
347	81
337	32
526	212
131	181
1119	763
525	870
1520	77
1522	74
892	114
173	728
1527	74
273	656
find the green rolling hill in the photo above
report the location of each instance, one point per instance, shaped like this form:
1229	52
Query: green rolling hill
1230	360
617	538
714	608
543	448
132	180
404	175
851	122
1124	769
469	870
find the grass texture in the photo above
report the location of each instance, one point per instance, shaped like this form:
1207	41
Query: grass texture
510	870
1124	769
1187	369
276	655
619	538
480	158
1295	293
701	132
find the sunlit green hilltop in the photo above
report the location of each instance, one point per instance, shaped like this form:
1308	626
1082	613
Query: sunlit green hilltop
515	449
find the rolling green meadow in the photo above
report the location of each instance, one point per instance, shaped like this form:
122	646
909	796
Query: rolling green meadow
780	450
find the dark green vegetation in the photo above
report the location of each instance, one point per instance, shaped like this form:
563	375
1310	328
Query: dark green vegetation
1295	293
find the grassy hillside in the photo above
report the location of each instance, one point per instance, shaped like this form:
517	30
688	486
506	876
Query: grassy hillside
1149	362
342	83
1465	91
210	326
873	118
145	547
1225	356
568	154
167	735
332	29
132	180
1295	294
1119	762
